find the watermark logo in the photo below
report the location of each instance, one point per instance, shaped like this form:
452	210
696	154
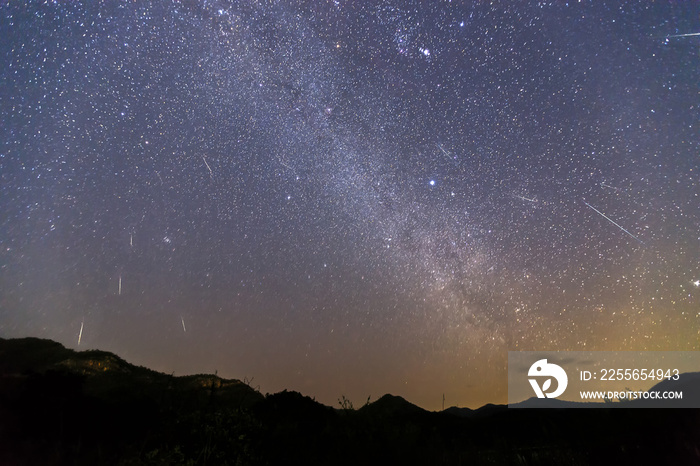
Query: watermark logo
542	369
603	379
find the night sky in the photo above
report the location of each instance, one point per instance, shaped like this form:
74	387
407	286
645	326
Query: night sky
350	198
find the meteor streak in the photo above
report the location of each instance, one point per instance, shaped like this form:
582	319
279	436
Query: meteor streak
80	335
525	198
183	324
447	154
608	186
211	173
612	221
686	35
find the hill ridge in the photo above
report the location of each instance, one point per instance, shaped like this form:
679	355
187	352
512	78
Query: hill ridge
61	406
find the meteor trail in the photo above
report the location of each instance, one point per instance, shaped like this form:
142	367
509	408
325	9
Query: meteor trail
608	186
211	173
612	221
525	198
120	285
447	154
183	324
80	335
686	35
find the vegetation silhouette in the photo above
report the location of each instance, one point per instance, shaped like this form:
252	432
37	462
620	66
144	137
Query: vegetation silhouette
58	406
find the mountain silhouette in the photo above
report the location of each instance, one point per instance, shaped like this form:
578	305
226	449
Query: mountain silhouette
59	406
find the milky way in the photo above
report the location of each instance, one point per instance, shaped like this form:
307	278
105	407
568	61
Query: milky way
350	198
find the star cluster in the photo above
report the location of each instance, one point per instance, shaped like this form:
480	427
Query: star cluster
350	197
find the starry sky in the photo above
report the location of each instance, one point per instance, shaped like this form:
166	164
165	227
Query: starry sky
350	198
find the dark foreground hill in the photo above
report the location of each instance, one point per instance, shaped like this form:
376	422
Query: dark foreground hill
58	406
